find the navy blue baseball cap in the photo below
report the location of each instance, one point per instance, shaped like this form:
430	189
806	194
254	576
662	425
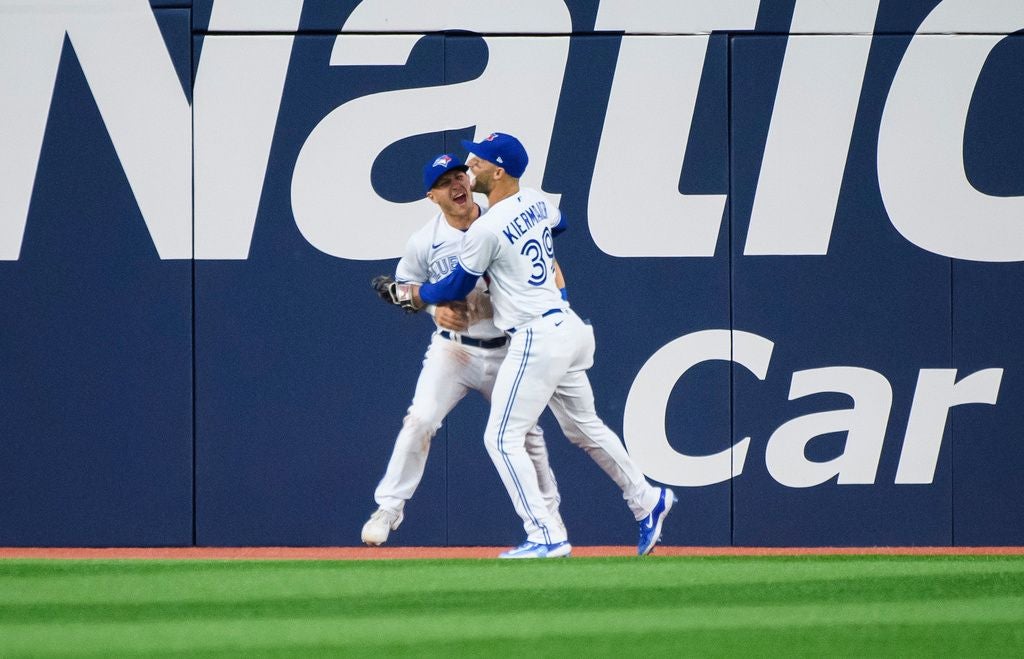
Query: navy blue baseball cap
439	166
503	150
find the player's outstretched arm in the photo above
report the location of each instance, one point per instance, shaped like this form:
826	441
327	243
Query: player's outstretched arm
456	286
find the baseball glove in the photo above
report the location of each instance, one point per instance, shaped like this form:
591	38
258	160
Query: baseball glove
395	293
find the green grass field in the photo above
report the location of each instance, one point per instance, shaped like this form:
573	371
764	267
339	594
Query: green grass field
723	606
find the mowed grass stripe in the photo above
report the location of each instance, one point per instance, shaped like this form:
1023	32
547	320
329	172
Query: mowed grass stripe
968	640
434	628
546	608
139	607
27	581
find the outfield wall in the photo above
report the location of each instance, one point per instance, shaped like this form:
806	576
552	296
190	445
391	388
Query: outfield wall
796	225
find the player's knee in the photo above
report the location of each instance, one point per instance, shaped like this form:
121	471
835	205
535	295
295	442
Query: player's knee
579	422
504	442
579	435
419	428
570	427
535	444
424	417
490	441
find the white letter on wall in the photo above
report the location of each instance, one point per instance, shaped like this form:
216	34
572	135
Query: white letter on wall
864	424
647	403
236	101
921	170
937	391
332	196
137	91
812	122
647	127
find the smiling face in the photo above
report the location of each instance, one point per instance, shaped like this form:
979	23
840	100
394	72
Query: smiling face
483	174
451	193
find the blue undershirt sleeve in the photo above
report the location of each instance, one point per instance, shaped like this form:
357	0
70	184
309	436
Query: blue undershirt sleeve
455	286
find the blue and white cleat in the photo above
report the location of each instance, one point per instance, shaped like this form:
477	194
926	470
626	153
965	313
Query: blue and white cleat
650	526
538	550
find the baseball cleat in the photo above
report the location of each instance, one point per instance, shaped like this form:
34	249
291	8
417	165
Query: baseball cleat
650	526
537	550
380	524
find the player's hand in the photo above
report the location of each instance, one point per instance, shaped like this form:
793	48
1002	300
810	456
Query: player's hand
479	306
453	316
405	296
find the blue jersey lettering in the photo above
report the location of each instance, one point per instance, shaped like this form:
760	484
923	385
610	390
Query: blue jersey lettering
526	220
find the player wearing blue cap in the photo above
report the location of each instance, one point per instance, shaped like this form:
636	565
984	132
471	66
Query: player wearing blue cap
465	351
549	353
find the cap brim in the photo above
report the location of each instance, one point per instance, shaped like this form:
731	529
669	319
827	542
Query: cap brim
459	168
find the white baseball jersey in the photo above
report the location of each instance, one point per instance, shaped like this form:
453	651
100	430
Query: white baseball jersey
430	255
514	245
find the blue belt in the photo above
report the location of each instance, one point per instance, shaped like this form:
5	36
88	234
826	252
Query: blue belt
496	342
512	330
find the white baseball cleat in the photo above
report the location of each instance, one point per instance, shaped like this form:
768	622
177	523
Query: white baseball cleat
381	523
538	550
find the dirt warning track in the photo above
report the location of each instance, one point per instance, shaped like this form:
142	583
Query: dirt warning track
386	553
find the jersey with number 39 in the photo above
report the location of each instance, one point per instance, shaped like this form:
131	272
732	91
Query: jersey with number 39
513	245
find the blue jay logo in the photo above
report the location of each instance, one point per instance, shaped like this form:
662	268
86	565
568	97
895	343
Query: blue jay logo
442	161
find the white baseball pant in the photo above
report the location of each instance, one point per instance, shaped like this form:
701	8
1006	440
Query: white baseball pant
450	370
546	366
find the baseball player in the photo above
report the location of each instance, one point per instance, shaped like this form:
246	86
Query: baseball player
465	352
549	353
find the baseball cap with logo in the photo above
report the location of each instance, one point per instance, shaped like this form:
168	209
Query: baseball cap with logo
503	150
439	166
